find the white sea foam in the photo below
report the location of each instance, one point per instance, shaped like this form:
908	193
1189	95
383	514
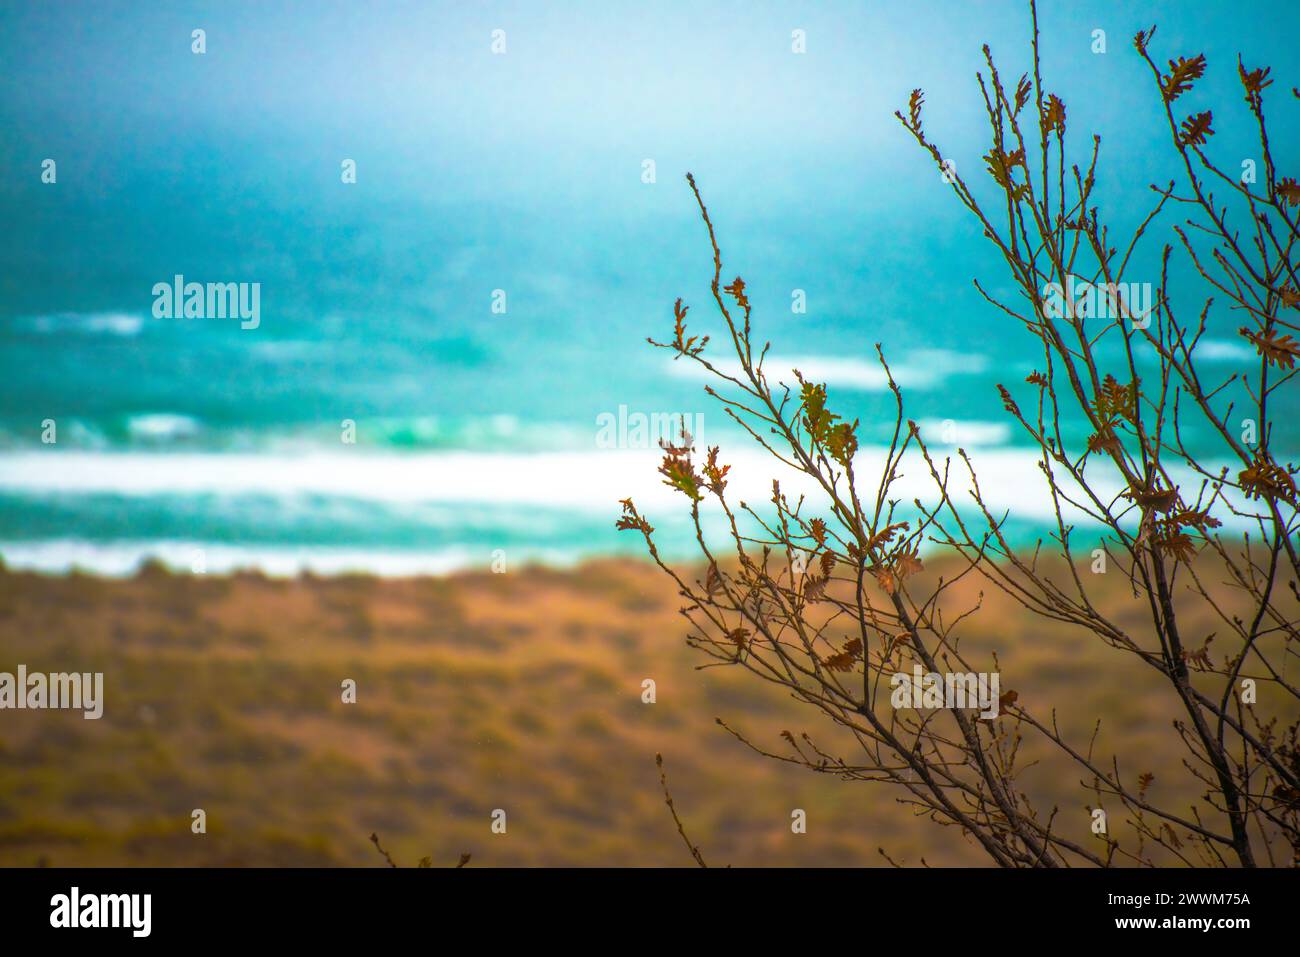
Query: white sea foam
124	558
492	487
589	481
1222	350
111	323
925	369
161	426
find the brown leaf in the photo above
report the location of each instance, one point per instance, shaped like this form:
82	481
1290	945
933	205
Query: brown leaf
842	442
1200	659
1267	479
843	661
1196	129
884	536
1156	499
1053	115
1191	518
739	637
908	563
1002	166
631	520
914	104
713	580
737	291
1177	545
716	474
1104	440
1182	74
886	578
828	564
1281	351
1116	400
1023	89
818	529
681	344
1254	81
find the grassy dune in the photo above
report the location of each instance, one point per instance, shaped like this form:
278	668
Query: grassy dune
475	692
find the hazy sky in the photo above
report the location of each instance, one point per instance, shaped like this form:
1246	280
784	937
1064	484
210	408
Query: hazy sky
413	91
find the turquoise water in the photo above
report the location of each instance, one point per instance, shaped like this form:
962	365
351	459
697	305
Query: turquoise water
477	432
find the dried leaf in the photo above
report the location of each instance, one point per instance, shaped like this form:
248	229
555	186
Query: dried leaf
681	344
1182	74
1105	440
1281	351
914	105
1155	499
1023	89
1002	165
739	637
1267	479
1053	115
908	563
737	291
843	661
1177	545
1116	400
713	580
1254	81
842	442
1196	129
818	529
631	520
886	578
1191	518
1200	659
716	475
886	535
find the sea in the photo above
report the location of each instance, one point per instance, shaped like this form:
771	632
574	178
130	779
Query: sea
449	366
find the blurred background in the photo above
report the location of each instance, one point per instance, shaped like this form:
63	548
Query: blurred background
521	172
192	445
